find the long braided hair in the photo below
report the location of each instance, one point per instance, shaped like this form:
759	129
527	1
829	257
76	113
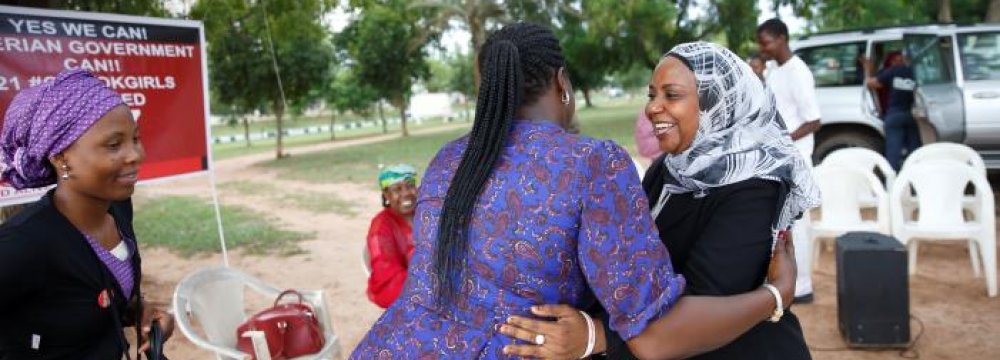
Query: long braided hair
517	65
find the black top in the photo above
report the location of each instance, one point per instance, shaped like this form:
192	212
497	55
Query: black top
899	79
50	279
721	243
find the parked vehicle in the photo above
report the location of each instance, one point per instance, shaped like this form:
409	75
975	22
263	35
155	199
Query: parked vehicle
958	87
954	103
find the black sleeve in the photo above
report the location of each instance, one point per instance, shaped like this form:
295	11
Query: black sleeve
731	254
22	269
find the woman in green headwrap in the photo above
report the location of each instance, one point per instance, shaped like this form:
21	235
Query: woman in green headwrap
390	237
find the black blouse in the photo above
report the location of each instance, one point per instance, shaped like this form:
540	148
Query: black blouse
50	280
721	243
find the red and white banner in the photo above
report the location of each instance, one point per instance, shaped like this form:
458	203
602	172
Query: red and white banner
157	65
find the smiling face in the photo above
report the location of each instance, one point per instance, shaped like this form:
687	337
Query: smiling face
770	45
401	197
104	162
673	105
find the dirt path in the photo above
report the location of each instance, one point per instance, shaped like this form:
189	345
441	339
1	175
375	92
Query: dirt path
959	321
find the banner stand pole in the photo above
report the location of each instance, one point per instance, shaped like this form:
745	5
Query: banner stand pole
218	217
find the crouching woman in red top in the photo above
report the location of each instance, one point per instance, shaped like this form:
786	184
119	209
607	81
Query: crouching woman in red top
390	237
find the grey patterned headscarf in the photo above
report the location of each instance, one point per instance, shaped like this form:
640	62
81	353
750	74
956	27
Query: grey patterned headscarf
740	134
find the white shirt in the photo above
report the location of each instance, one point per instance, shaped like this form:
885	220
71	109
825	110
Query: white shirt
795	95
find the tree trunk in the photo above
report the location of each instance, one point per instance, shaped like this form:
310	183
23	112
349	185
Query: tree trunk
402	118
333	121
993	12
246	130
944	11
279	112
586	97
381	115
478	38
468	110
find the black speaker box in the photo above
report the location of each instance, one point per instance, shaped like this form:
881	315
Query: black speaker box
873	293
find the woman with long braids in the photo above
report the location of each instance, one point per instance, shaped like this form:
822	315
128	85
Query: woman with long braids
522	212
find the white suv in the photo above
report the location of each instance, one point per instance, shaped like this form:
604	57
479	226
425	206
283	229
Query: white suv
959	103
848	109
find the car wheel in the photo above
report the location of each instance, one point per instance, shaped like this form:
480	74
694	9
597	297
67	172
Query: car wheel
846	139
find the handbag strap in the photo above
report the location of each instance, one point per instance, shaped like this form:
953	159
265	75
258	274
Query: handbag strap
288	292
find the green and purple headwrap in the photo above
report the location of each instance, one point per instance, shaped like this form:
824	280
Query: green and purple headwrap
44	120
395	174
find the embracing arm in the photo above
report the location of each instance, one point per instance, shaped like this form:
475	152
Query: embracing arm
631	275
695	325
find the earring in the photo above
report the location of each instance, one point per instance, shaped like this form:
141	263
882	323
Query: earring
565	98
65	169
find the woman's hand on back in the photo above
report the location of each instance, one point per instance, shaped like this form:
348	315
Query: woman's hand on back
565	337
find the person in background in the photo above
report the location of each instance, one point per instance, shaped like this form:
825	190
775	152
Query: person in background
792	83
390	237
757	64
70	270
901	133
645	140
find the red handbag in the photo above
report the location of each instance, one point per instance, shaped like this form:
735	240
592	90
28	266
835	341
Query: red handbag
291	329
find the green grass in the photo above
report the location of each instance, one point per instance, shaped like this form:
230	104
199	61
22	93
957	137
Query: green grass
320	203
223	151
187	225
323	203
359	164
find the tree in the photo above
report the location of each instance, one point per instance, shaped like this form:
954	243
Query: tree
944	11
827	15
440	77
475	15
130	7
738	19
588	53
600	37
275	52
993	12
386	44
347	94
234	57
462	80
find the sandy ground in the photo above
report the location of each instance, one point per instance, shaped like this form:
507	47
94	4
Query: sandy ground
958	320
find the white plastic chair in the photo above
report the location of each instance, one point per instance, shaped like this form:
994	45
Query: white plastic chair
945	151
950	151
843	189
366	259
214	297
940	187
864	159
958	153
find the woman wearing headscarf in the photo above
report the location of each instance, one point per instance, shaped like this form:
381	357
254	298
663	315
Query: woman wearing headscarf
731	183
522	212
390	237
69	263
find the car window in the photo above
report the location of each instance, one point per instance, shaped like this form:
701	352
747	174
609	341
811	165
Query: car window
930	57
980	53
834	65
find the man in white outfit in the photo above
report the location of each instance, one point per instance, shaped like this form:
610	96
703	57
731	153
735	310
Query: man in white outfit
791	81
